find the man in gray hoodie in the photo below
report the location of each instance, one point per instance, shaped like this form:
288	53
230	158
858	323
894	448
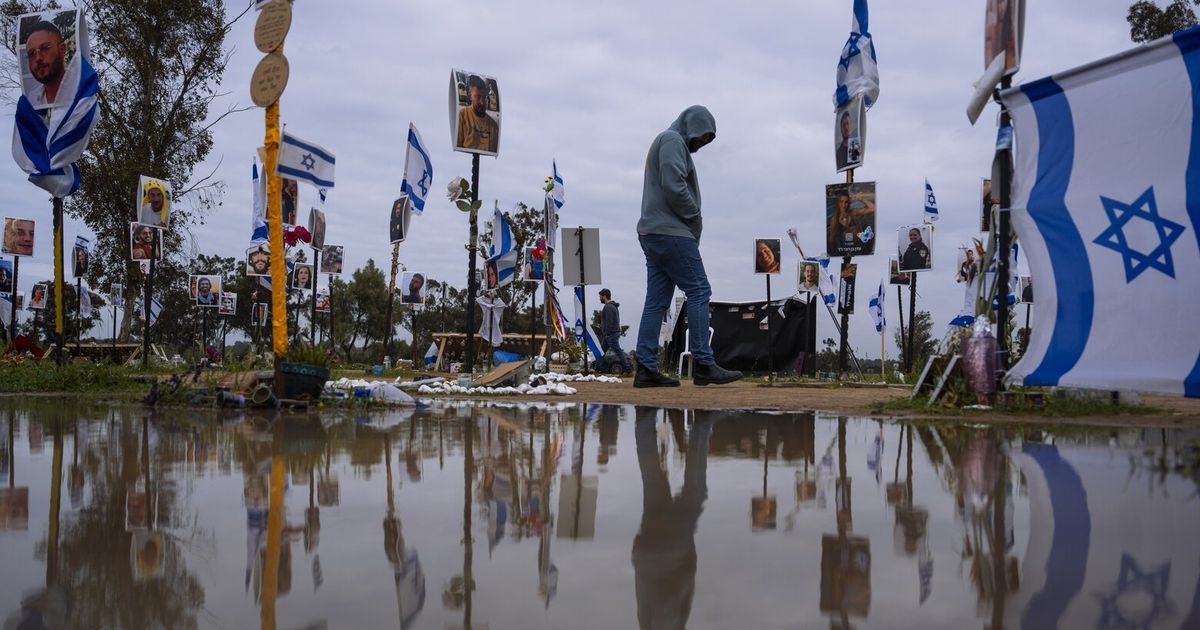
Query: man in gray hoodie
669	232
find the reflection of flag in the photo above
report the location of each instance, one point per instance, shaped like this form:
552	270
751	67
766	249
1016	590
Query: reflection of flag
584	332
1107	202
857	72
876	309
931	208
48	150
418	170
258	213
503	250
305	161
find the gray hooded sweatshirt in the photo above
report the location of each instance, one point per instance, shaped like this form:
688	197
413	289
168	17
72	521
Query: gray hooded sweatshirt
671	192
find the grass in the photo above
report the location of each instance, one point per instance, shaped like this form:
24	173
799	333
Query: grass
1055	407
46	376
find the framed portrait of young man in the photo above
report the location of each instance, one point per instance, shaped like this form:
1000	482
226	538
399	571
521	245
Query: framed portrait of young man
849	130
6	276
145	242
48	56
18	237
413	288
474	113
399	218
766	255
208	291
153	201
258	260
316	227
80	257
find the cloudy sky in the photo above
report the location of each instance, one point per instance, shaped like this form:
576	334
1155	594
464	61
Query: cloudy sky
591	85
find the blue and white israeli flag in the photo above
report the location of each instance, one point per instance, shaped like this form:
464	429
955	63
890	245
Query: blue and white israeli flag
47	149
156	308
931	207
858	72
876	309
1107	203
503	250
258	213
418	170
556	191
583	332
826	285
304	161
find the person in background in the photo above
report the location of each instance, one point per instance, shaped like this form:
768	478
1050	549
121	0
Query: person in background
610	331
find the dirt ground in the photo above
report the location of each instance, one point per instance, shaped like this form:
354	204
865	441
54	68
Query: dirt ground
849	400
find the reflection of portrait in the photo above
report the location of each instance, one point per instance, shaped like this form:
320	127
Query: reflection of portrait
493	279
987	203
534	270
913	248
895	276
331	259
1000	34
846	288
258	260
147	554
6	276
18	237
396	222
847	135
850	219
144	242
153	201
766	255
1026	286
228	304
46	45
289	198
316	227
80	259
207	290
302	277
810	277
37	299
414	289
476	130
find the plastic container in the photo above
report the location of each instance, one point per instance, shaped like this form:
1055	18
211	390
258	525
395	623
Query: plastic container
301	379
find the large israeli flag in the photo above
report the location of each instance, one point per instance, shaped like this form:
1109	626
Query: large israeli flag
1107	203
47	149
857	71
304	161
876	309
418	170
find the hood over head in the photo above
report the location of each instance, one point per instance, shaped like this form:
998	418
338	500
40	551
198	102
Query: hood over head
694	122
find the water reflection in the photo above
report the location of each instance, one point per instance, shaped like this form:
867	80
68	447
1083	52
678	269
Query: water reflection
529	516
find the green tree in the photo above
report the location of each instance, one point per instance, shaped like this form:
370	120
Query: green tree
924	344
1148	22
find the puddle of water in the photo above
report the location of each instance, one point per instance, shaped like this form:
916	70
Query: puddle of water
589	516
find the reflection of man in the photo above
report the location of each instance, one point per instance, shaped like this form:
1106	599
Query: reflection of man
669	232
204	292
154	199
397	222
47	54
916	256
664	550
610	331
18	237
477	130
259	262
415	286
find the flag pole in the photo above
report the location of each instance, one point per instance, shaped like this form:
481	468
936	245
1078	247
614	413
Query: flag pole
146	302
60	337
770	337
1005	244
900	307
387	346
12	296
275	238
471	288
316	278
844	329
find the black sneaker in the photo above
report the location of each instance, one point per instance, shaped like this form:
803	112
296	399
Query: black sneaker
714	375
650	378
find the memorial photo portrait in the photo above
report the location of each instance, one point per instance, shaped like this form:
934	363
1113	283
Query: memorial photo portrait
302	277
46	48
316	228
913	248
412	289
289	200
145	242
846	282
37	299
6	276
474	113
331	258
153	201
258	260
895	276
848	133
850	219
228	304
533	270
1002	33
208	290
18	237
810	277
766	255
398	219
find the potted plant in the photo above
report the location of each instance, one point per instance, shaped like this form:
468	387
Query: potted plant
304	370
574	352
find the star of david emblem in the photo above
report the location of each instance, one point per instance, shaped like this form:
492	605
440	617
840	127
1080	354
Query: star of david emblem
1139	599
1114	238
424	183
308	162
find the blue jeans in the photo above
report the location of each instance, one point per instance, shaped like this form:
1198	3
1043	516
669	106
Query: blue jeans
673	261
613	342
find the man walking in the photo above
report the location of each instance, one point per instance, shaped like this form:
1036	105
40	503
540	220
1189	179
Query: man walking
669	231
610	330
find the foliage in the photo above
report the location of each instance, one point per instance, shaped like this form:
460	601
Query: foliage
308	354
45	376
924	344
1148	22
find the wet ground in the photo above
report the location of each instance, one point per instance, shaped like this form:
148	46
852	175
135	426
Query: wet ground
589	516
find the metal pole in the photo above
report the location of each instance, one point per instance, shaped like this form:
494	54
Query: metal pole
114	337
1005	227
532	322
583	296
474	235
59	336
413	309
912	319
78	314
903	336
146	313
12	313
547	278
316	277
204	333
845	327
387	344
770	338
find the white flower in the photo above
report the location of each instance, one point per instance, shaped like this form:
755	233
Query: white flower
457	189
